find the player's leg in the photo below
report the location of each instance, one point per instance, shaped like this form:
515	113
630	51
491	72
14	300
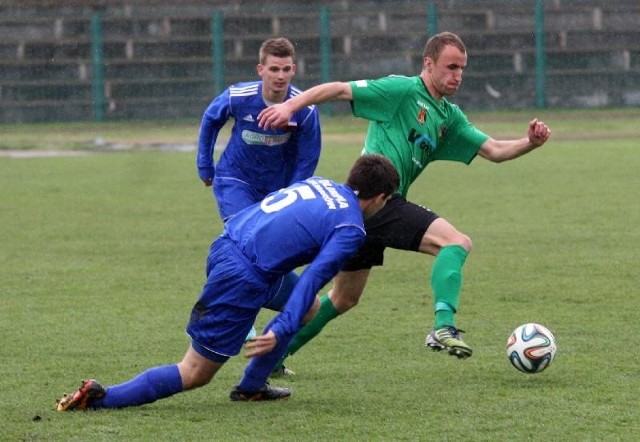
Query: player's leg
451	249
219	321
404	225
253	385
349	284
281	291
347	289
149	386
344	295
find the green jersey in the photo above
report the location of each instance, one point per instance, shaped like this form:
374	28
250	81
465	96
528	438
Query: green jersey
411	128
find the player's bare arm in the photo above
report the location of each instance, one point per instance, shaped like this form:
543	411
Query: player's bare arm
278	115
502	150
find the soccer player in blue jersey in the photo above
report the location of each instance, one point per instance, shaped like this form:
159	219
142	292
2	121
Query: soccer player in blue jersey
258	161
316	222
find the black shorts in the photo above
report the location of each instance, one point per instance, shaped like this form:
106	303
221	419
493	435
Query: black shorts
400	225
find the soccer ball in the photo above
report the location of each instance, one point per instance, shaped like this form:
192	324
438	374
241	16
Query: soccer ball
531	348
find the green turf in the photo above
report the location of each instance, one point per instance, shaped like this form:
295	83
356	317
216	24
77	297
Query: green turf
103	255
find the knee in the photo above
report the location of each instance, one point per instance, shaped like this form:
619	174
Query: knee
194	376
343	300
465	242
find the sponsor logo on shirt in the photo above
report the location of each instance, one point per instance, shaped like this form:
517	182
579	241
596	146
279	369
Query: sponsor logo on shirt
260	139
423	141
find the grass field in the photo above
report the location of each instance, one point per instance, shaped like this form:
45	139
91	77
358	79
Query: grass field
102	256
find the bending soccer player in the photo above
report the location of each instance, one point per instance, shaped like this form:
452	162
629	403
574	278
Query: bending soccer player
413	124
316	222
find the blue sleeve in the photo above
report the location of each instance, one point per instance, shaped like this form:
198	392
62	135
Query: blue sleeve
342	245
309	143
214	117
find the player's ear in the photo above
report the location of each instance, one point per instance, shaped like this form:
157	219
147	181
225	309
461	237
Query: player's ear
428	63
259	69
376	204
380	200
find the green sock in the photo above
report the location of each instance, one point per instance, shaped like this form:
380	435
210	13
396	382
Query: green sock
325	313
446	280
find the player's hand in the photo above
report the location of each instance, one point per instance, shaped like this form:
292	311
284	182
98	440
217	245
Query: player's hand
538	132
206	175
260	345
275	117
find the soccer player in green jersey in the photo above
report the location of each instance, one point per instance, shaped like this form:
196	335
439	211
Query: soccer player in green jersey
413	124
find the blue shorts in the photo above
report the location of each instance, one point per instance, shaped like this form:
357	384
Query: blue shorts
233	195
231	299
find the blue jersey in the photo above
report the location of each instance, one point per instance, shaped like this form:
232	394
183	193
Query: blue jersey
316	222
265	160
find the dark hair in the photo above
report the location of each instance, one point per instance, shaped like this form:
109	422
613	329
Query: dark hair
278	47
372	175
436	44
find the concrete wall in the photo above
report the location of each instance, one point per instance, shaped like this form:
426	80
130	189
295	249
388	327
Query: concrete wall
159	64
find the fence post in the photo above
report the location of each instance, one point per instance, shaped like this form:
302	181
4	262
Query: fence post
97	66
432	20
541	60
325	51
217	43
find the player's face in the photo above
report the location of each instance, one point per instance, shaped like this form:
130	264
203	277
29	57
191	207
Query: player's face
446	72
276	74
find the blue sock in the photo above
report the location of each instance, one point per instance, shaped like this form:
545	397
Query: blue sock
259	368
149	386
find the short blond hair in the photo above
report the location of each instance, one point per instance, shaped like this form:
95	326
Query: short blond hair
278	47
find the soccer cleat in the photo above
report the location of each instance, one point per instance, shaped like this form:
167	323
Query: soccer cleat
448	338
281	372
267	393
90	389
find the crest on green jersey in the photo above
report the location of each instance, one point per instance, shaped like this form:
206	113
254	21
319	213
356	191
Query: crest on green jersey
422	116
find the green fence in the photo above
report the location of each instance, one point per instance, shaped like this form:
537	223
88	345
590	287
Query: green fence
326	57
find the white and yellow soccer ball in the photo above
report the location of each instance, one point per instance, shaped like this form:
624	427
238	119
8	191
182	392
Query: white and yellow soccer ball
531	348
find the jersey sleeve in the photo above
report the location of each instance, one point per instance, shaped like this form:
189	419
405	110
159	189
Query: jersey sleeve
462	140
214	117
308	143
378	100
342	245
